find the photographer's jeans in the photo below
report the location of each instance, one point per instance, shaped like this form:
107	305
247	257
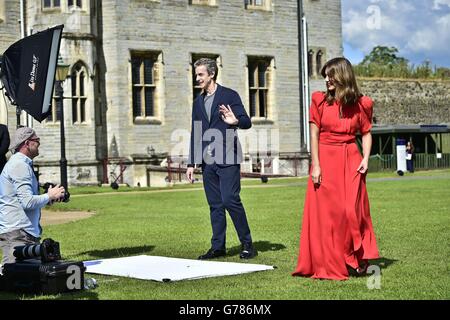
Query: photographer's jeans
12	239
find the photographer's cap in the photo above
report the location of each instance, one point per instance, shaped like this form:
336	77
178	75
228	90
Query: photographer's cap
20	136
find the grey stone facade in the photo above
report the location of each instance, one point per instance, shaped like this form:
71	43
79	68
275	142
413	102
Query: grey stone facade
9	33
103	35
9	23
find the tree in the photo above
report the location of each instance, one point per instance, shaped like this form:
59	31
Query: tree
384	61
384	56
442	73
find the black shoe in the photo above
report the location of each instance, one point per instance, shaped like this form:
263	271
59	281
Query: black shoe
211	254
248	252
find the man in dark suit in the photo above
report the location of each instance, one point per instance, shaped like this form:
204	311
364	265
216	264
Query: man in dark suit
216	114
4	145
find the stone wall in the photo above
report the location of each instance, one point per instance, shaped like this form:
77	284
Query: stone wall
9	33
408	101
9	23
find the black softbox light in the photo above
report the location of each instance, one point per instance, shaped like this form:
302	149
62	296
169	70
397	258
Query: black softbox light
28	71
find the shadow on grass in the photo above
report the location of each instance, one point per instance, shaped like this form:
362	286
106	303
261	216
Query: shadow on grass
382	263
118	252
261	246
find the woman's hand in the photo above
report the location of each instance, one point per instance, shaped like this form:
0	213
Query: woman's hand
363	166
316	175
190	174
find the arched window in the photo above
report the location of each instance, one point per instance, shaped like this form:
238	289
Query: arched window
310	62
78	77
55	114
319	61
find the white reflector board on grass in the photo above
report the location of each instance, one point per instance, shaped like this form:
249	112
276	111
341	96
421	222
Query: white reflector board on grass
168	269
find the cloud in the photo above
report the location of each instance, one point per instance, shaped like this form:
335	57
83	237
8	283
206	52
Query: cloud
417	29
432	41
438	3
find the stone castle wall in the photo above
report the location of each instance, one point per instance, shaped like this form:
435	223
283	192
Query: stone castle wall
398	101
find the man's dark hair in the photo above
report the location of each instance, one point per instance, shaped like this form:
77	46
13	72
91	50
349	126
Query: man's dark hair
210	64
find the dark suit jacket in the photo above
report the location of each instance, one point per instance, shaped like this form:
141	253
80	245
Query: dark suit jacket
221	136
4	145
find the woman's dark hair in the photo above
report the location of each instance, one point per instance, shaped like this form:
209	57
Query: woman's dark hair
340	70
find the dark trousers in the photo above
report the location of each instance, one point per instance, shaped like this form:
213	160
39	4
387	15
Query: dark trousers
409	165
222	186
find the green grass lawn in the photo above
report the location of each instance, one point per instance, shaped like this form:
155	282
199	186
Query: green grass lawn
411	217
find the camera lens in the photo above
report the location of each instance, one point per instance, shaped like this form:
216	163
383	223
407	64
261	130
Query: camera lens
27	252
48	251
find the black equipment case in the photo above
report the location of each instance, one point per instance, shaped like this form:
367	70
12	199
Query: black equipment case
34	276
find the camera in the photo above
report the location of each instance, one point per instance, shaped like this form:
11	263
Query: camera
48	251
47	185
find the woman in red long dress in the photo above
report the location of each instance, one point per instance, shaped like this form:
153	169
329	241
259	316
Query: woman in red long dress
337	229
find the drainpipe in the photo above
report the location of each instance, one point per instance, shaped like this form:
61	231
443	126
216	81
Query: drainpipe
303	77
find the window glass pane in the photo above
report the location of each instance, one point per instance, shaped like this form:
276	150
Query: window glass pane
74	110
148	71
137	102
253	103
319	61
70	2
83	110
149	102
262	103
73	81
82	84
310	62
56	3
251	74
47	3
79	3
262	74
135	70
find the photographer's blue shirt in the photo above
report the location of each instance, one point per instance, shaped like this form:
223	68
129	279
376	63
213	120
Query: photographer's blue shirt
20	202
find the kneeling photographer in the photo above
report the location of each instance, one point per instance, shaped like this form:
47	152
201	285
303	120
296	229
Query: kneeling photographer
20	202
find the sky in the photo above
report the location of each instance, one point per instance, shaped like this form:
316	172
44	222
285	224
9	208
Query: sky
419	29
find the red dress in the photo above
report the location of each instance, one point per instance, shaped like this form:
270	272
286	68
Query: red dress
337	229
